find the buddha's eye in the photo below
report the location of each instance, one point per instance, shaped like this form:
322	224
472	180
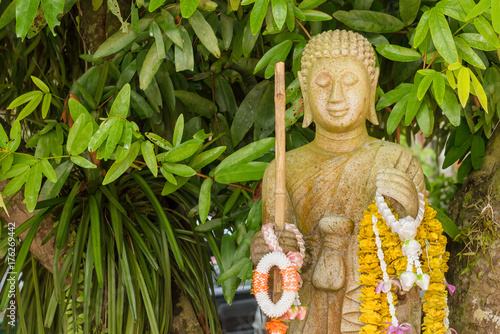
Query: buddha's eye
349	78
323	80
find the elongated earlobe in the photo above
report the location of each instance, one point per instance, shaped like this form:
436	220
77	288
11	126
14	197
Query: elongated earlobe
307	112
372	113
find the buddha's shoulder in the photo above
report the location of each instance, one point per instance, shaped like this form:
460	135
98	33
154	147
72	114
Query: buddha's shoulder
386	146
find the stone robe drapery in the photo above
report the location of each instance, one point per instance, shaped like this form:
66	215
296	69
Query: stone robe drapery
340	185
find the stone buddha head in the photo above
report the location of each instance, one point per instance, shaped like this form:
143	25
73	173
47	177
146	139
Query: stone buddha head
338	79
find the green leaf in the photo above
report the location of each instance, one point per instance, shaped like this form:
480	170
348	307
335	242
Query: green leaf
449	226
466	53
167	23
234	270
425	118
155	4
211	225
23	99
486	30
257	15
115	133
310	4
397	114
64	221
178	169
279	9
15	137
244	117
495	16
183	151
15	184
394	95
241	172
47	170
188	7
438	87
477	41
451	107
247	153
463	86
408	9
51	10
275	54
140	105
33	185
398	53
159	141
365	20
196	103
120	40
424	85
150	66
204	199
479	91
226	27
31	106
316	15
47	99
442	37
413	104
205	33
25	15
9	14
148	153
74	135
122	103
120	167
40	84
421	30
452	8
204	158
184	59
101	134
178	130
478	9
95	238
82	162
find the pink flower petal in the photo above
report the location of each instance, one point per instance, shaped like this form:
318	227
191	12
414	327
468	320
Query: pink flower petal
451	288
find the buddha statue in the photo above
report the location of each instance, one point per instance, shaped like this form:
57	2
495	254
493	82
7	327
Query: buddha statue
333	179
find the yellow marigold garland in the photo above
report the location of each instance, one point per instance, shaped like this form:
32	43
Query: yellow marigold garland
374	306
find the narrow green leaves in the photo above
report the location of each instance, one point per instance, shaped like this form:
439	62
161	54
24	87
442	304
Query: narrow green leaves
421	30
205	33
467	54
495	15
486	30
33	185
51	9
95	238
184	59
275	54
196	103
397	114
478	9
25	14
64	221
369	21
442	37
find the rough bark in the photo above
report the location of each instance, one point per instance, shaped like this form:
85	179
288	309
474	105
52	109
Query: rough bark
475	307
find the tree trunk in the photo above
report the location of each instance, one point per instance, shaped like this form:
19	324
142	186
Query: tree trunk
475	307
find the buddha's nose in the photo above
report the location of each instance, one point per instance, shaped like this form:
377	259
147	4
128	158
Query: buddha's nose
337	93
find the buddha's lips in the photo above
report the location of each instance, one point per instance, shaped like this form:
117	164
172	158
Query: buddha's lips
338	110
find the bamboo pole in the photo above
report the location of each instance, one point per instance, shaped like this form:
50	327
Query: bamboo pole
280	148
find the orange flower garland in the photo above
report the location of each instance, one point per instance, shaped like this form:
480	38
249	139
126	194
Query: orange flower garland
374	306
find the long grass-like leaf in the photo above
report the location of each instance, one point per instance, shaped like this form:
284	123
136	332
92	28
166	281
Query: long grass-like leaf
163	219
95	238
64	221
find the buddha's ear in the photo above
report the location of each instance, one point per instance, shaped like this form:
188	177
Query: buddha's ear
307	112
372	113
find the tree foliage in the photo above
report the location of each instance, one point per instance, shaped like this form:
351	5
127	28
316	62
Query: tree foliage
158	139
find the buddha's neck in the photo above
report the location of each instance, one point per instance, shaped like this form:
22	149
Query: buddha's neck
341	142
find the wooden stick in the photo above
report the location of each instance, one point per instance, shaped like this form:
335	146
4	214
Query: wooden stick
280	186
280	102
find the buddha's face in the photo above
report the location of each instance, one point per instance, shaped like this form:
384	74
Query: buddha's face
339	93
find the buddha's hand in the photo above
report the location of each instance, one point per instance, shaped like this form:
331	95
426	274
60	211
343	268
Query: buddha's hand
259	248
397	187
